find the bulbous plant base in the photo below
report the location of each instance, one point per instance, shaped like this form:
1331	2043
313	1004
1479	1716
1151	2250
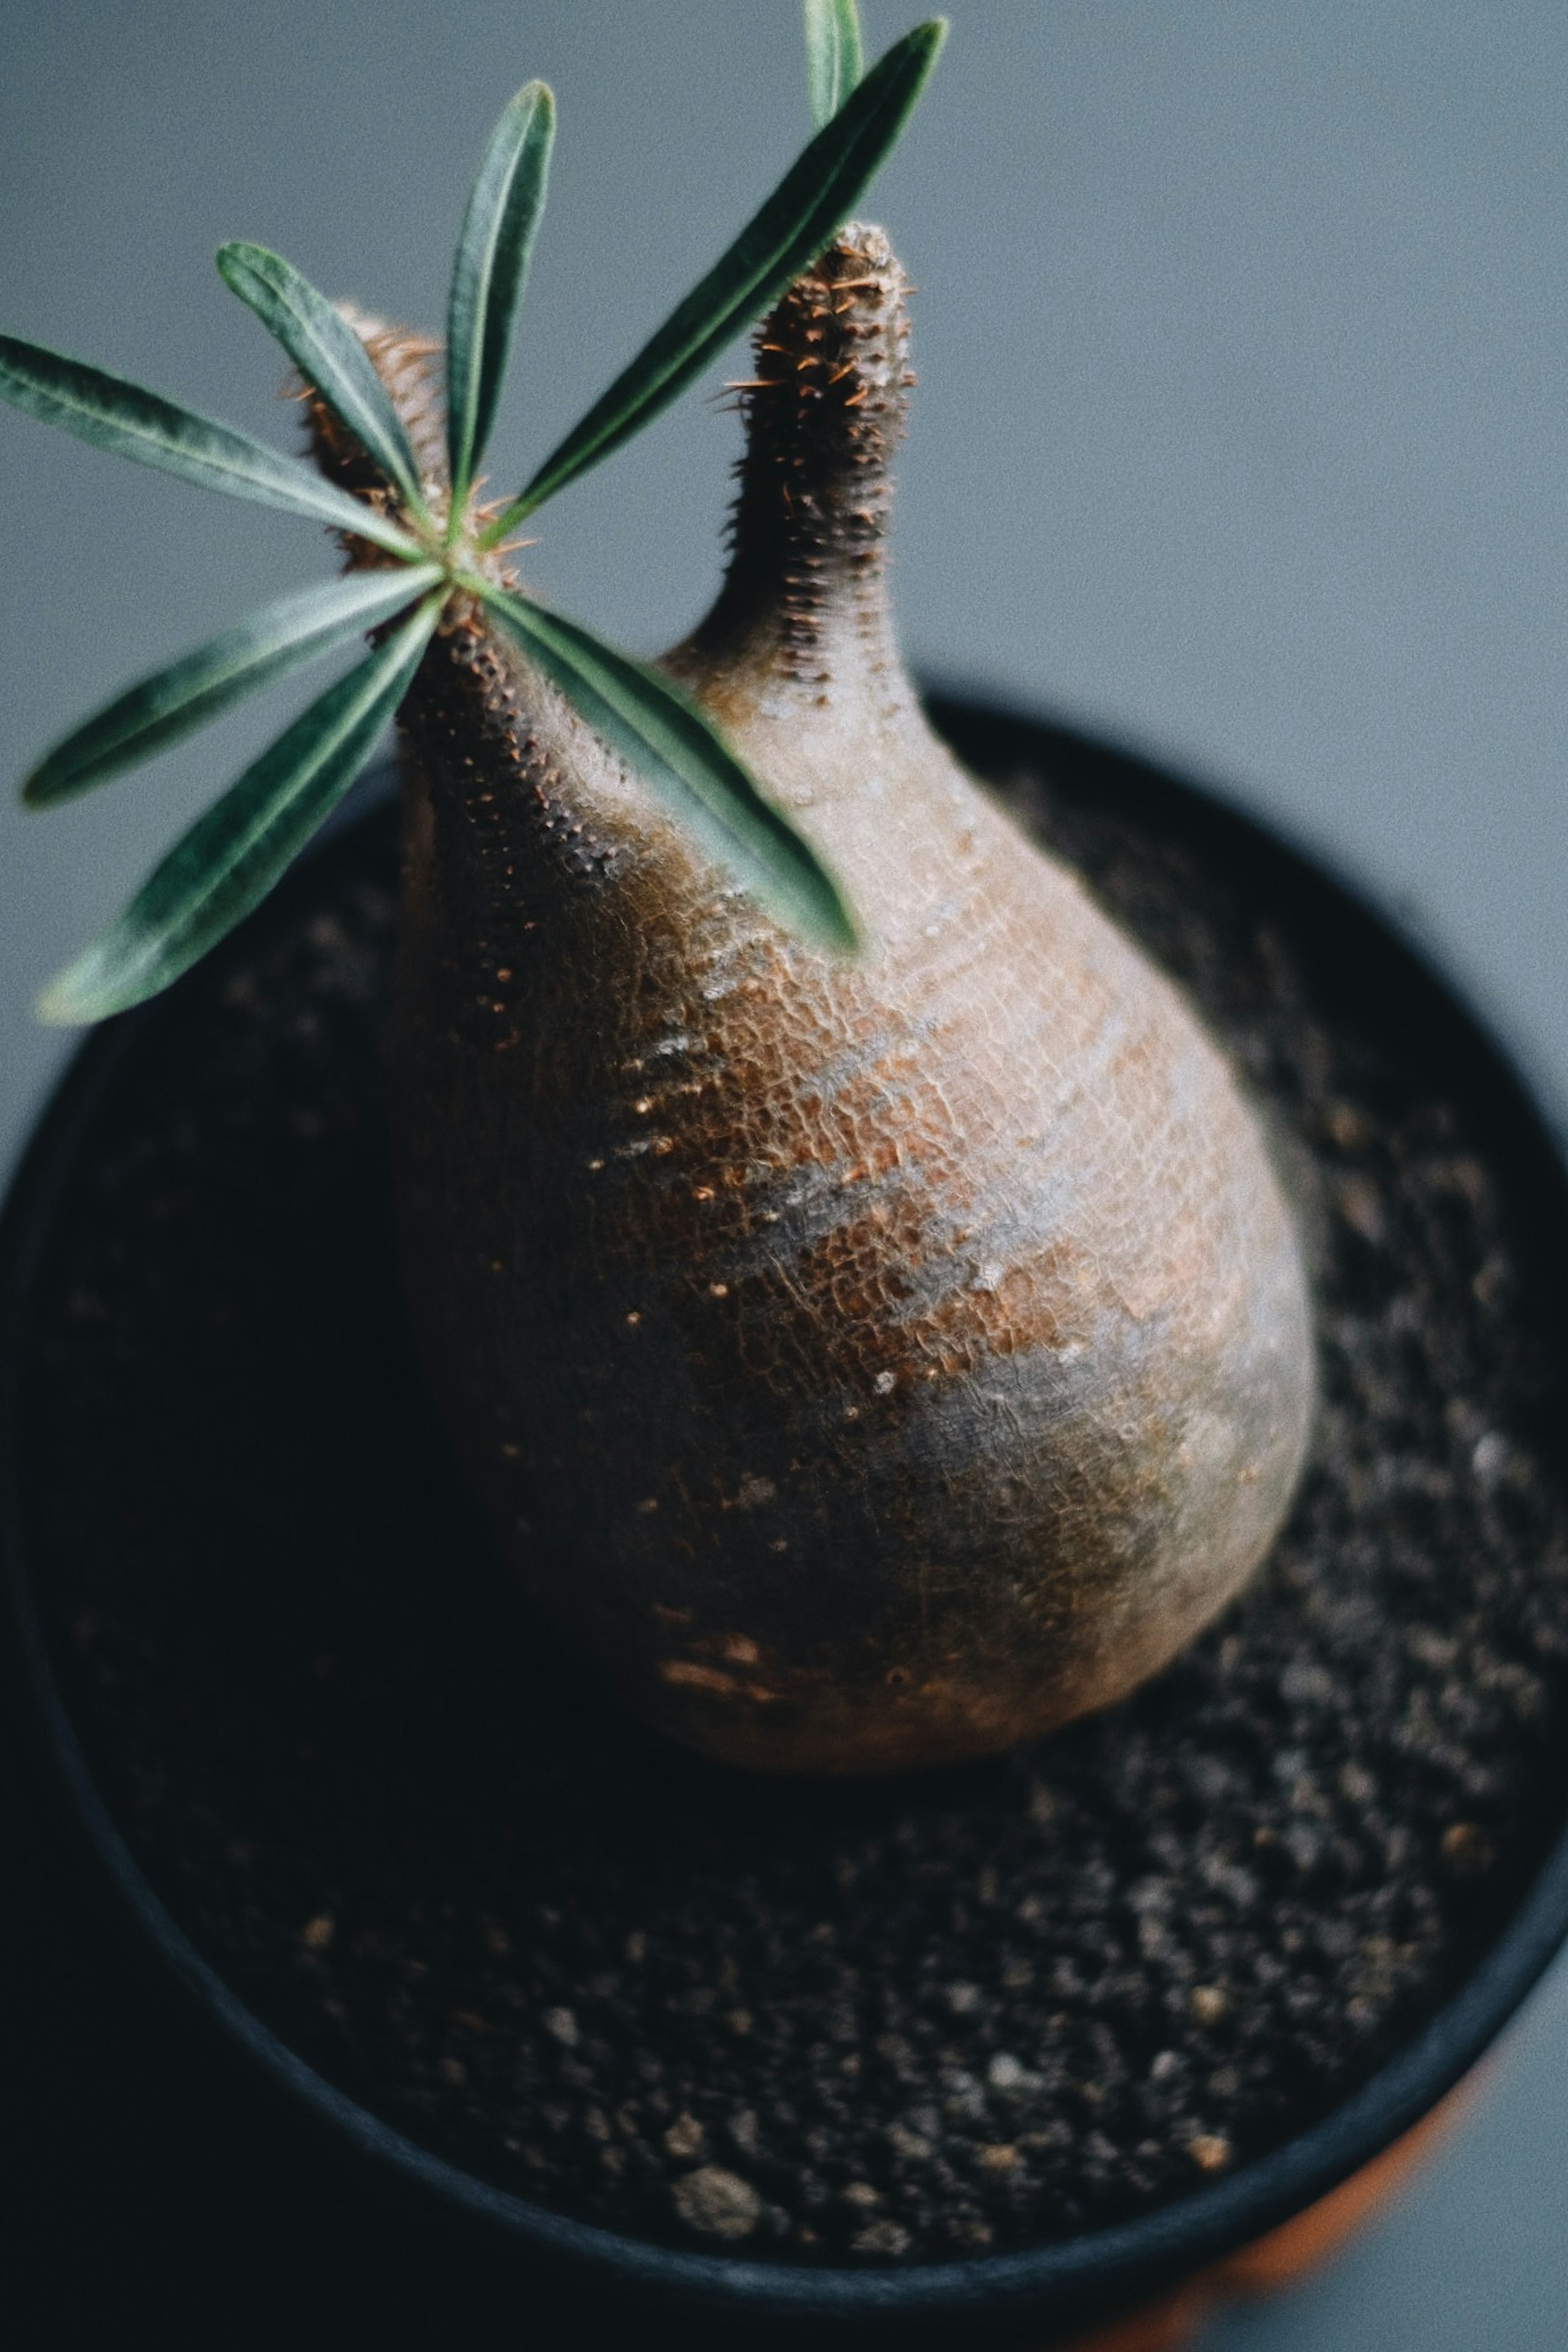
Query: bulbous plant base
1265	1911
871	1363
869	1369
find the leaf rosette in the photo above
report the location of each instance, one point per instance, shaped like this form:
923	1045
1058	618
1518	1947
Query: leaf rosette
431	543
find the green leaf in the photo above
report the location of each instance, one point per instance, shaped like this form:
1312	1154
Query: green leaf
109	414
490	273
174	701
673	747
232	856
835	61
331	357
810	204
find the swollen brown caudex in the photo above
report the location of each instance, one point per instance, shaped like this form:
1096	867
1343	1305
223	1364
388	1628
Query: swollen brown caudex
871	1363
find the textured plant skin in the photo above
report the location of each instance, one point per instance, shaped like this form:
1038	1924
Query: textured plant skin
869	1363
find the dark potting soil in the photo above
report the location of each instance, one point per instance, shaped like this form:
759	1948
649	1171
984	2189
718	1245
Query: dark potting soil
843	2024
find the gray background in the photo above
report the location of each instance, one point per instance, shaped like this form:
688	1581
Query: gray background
1239	438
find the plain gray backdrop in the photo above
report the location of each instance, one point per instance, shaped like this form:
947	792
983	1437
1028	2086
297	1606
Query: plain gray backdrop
1239	438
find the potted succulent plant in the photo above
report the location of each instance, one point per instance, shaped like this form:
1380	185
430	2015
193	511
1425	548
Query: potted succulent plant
871	1311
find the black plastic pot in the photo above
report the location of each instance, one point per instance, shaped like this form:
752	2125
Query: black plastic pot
184	2167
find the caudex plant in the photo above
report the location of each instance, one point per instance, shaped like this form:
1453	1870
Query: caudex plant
851	1279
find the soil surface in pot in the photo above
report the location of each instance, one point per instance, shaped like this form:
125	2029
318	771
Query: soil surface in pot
863	2023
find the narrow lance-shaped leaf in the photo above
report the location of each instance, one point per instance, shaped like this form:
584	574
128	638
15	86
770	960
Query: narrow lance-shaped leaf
232	856
174	701
329	355
808	205
835	61
489	272
113	414
669	742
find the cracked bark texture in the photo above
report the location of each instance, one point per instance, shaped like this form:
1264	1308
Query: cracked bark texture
871	1364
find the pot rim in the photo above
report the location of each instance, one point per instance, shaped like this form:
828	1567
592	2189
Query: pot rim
1065	2282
